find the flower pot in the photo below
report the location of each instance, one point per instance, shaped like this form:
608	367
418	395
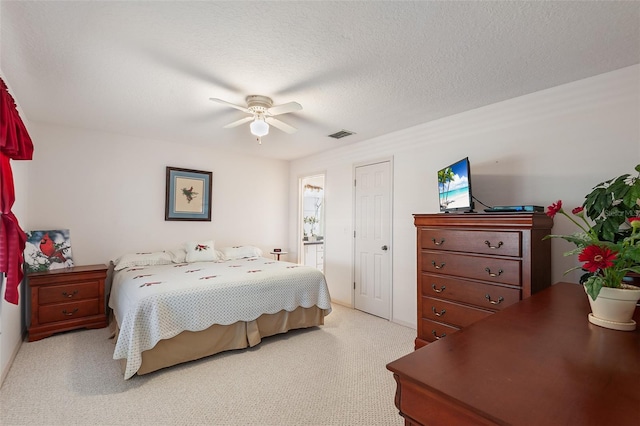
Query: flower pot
614	307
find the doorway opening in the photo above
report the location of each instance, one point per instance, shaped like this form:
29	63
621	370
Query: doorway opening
311	221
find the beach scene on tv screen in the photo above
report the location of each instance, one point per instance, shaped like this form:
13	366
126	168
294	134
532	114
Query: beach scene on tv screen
453	187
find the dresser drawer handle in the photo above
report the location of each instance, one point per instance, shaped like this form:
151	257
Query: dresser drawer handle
438	337
494	302
493	274
65	294
433	262
493	247
70	313
438	243
438	314
433	286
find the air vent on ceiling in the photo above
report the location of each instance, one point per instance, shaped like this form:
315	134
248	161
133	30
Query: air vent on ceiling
341	134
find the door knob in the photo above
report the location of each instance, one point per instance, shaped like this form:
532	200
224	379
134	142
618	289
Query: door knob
385	248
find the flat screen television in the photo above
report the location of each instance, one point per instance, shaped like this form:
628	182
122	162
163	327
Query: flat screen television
454	187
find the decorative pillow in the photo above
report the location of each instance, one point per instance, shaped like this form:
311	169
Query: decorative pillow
220	255
240	252
201	251
142	259
178	255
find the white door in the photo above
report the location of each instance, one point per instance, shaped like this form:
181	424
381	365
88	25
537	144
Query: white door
372	275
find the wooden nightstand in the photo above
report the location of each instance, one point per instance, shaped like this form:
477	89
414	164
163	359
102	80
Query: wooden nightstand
67	299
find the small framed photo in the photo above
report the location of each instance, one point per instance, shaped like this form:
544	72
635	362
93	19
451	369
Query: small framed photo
188	195
47	250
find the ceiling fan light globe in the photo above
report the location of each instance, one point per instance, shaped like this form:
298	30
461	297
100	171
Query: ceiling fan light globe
259	128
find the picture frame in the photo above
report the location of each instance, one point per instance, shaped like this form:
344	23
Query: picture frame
188	195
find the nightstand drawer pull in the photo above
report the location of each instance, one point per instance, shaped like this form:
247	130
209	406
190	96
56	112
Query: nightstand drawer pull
442	288
493	274
494	302
65	294
438	314
433	262
438	243
438	337
70	313
493	247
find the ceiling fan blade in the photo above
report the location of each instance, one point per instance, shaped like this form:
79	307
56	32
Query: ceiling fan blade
280	125
284	108
238	123
241	108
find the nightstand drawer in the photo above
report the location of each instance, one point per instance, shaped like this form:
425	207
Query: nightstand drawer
499	270
68	292
68	311
499	243
486	296
451	313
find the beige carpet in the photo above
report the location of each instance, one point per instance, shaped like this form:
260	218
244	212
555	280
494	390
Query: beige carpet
329	375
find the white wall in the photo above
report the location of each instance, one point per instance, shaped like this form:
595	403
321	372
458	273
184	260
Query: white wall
535	149
109	191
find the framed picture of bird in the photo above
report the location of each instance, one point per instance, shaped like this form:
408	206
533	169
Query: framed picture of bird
188	195
47	250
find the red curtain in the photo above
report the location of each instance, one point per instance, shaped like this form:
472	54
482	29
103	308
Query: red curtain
16	144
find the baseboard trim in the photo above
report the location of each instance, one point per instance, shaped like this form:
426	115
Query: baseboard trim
404	324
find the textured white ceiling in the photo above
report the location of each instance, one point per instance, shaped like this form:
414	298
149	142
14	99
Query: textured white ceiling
148	69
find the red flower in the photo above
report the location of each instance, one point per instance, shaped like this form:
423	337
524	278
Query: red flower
597	257
554	208
577	210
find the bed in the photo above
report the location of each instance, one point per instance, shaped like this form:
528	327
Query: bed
167	314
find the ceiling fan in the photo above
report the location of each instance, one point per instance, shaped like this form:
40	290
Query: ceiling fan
262	113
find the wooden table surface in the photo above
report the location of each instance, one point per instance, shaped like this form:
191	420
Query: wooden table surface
538	362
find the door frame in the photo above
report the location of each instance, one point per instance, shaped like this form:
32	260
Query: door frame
353	225
299	221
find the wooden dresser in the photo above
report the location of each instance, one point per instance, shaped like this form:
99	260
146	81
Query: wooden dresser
538	362
67	299
472	265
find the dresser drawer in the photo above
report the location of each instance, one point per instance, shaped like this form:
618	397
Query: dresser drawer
432	330
68	311
67	292
451	313
478	294
502	243
499	270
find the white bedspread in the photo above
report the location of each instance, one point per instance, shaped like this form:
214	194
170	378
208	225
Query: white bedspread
158	302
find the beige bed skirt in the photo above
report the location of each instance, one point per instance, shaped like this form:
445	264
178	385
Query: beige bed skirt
192	345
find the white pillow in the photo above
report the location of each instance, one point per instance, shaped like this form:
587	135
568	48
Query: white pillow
142	259
240	252
200	251
178	255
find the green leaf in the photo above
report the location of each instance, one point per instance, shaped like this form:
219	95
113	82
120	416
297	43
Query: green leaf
579	241
593	286
609	229
620	193
631	198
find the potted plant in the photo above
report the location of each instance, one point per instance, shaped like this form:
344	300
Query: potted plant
311	220
608	242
